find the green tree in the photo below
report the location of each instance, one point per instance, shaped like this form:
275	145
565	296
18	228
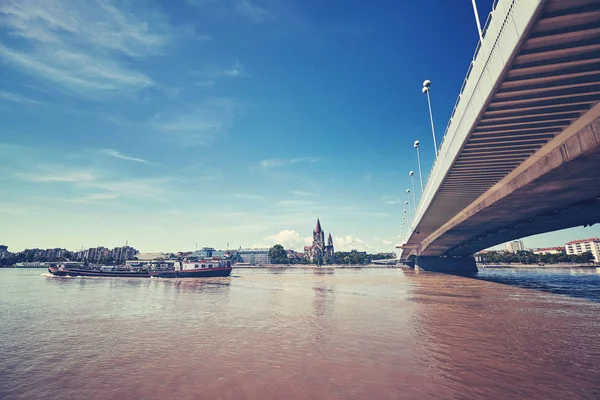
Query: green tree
585	257
277	255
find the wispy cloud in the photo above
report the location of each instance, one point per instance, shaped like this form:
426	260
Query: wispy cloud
103	183
255	13
212	74
236	71
247	196
153	189
200	125
301	193
79	45
93	198
189	125
14	208
99	197
16	98
57	175
294	203
116	154
280	162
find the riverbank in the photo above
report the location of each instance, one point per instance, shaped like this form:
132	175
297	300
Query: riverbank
312	266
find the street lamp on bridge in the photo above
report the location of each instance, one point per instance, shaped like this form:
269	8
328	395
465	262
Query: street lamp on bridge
412	181
410	209
425	90
417	143
402	227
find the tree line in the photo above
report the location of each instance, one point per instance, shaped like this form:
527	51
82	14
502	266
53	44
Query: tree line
528	257
14	258
278	255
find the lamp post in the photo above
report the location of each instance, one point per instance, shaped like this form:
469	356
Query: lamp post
407	202
412	181
477	20
425	90
417	143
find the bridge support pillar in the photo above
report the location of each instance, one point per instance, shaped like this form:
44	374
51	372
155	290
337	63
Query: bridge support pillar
452	265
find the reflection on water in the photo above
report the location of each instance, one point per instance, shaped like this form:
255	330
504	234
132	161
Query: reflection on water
576	282
295	333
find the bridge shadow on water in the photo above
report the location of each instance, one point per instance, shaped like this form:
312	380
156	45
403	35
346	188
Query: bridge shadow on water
583	283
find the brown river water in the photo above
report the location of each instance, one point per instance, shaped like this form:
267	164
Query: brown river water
293	334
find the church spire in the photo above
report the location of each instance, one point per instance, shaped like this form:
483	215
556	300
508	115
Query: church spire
318	228
329	240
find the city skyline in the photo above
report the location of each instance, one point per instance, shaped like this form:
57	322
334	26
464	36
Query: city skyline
222	122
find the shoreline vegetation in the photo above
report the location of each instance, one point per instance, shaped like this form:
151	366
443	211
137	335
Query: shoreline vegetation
556	265
528	257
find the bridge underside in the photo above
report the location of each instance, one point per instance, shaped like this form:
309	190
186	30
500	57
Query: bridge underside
560	190
553	80
531	162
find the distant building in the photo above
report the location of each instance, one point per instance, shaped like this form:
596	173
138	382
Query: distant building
307	251
34	253
54	253
123	253
581	246
514	246
319	249
97	254
151	256
4	251
548	250
209	252
254	256
205	252
33	264
291	254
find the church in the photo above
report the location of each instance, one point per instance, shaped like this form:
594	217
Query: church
318	249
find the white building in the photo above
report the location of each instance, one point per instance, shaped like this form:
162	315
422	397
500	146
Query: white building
255	256
591	245
150	256
514	246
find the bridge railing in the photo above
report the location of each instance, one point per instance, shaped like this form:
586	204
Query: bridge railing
501	34
468	74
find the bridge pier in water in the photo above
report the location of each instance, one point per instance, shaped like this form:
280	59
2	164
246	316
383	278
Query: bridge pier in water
452	265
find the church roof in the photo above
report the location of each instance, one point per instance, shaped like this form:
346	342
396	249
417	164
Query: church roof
318	228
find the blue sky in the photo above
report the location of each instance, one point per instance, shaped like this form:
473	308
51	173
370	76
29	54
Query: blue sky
171	123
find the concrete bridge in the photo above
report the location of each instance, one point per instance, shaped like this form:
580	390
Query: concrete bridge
521	152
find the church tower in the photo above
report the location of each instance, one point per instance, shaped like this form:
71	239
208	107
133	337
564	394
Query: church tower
329	251
318	247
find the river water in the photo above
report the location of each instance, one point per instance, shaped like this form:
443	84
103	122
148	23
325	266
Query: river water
295	334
